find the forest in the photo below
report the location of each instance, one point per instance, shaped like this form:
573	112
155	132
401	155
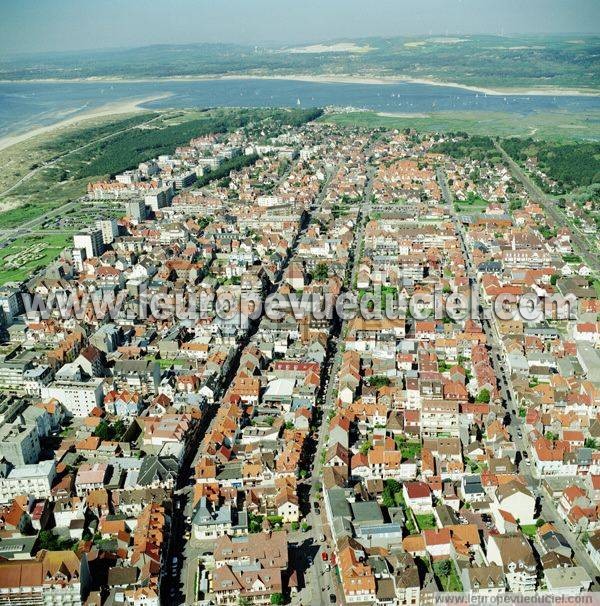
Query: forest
570	165
126	150
475	147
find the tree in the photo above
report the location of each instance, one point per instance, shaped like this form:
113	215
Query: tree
443	568
254	523
277	598
483	396
321	272
103	430
51	542
390	490
379	381
365	447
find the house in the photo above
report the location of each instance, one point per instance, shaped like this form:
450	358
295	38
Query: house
52	577
471	489
356	575
339	431
90	477
515	499
211	522
593	548
438	543
483	580
515	555
417	496
569	580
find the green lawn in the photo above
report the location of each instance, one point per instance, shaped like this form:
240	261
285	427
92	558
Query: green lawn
410	450
449	582
529	530
426	521
23	256
168	362
473	205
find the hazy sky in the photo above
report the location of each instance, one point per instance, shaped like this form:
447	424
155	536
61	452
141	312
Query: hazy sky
42	25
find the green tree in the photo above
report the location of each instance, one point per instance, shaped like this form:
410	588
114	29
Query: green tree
390	490
103	430
483	396
277	598
443	568
321	272
365	447
379	381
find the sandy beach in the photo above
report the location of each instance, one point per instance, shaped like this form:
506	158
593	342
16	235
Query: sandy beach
347	79
552	91
110	109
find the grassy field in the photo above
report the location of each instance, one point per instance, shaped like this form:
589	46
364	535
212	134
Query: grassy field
529	530
555	126
471	205
23	256
426	521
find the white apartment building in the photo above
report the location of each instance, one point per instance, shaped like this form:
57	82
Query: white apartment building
32	480
78	397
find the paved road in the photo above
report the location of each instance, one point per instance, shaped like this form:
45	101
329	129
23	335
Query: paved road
589	255
326	581
180	587
516	429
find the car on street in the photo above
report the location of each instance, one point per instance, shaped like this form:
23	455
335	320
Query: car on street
332	598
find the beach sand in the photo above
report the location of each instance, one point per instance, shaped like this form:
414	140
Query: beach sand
552	91
347	79
110	109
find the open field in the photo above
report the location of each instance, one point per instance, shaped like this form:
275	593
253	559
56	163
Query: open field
554	126
22	257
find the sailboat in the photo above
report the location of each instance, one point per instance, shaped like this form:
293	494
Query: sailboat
298	101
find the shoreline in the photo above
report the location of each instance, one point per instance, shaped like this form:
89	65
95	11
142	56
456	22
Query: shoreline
110	109
552	91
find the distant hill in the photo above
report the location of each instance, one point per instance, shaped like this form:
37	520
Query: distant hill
485	61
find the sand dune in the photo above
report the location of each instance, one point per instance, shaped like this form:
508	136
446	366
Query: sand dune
110	109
